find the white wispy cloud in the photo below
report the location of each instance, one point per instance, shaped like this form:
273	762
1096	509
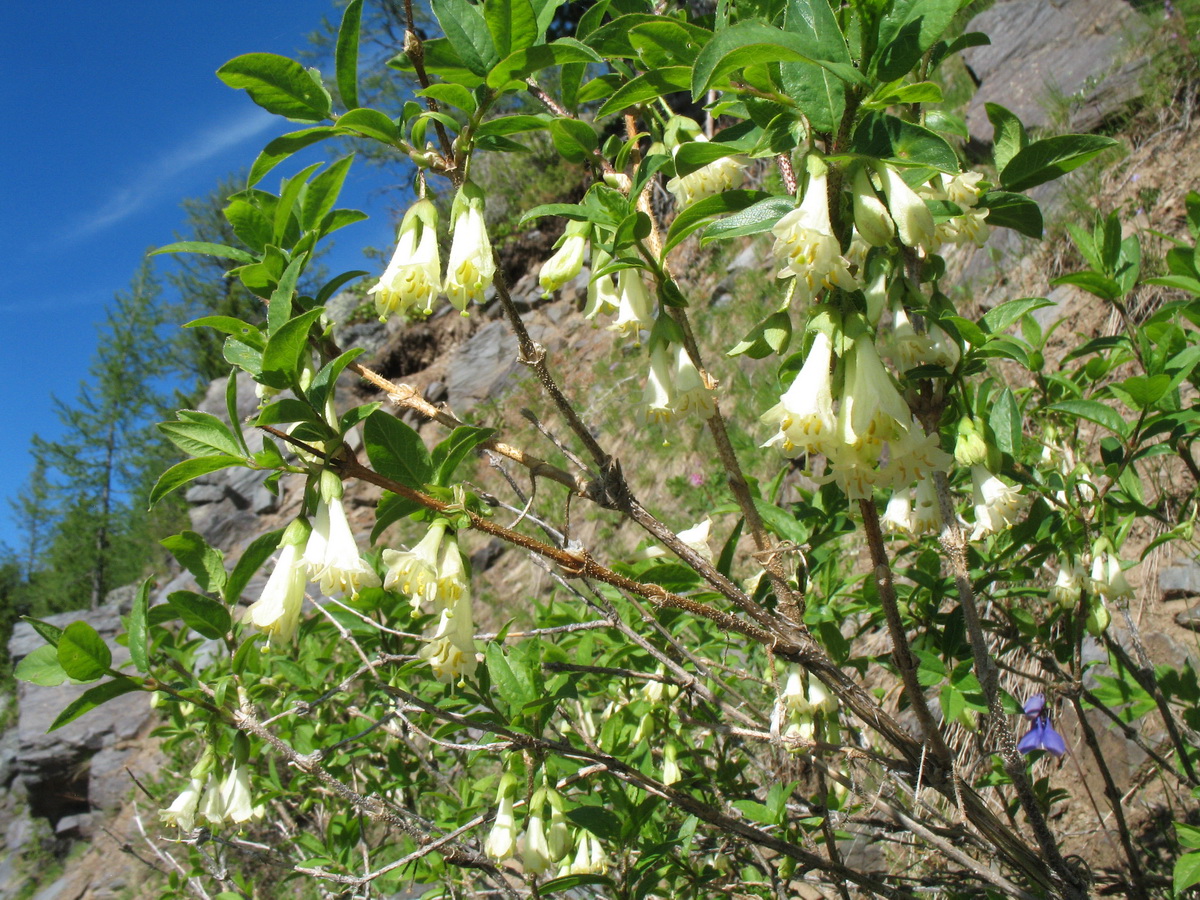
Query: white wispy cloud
157	177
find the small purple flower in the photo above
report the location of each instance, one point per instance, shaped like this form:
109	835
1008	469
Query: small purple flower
696	478
1041	734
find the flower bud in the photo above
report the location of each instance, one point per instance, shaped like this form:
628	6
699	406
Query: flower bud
870	215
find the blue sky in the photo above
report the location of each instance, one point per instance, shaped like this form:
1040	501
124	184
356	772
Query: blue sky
115	115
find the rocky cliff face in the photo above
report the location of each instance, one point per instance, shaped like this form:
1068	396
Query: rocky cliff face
75	784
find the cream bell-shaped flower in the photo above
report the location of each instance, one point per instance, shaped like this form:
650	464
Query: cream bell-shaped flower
795	695
602	296
338	567
212	805
914	221
915	455
471	267
716	177
1108	578
658	398
536	856
691	393
1068	587
453	583
871	217
414	572
567	262
805	245
501	841
235	796
277	610
451	649
914	511
898	515
695	537
671	773
804	413
873	408
412	279
182	813
634	309
558	835
819	697
997	504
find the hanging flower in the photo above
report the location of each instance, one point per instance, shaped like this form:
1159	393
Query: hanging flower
695	537
671	773
805	244
1108	578
471	266
235	796
872	407
415	572
871	217
536	856
1069	585
691	393
914	221
658	399
915	511
501	841
331	552
602	296
182	813
795	695
558	836
567	263
804	413
277	610
412	279
997	504
634	309
1041	734
716	177
451	649
453	583
915	456
819	699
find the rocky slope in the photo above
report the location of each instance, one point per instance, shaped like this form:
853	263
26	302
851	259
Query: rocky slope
75	787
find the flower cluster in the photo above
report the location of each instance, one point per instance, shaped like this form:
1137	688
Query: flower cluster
411	282
433	574
675	387
806	246
798	704
214	800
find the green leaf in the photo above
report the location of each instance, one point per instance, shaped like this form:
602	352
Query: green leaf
139	644
890	137
1187	872
601	822
1006	423
1093	411
1015	211
1000	318
753	43
391	508
575	140
207	564
323	192
251	561
1188	835
93	697
250	224
346	54
513	125
49	633
281	358
203	434
189	470
817	91
1009	136
760	217
1140	392
512	24
283	147
208	249
82	652
202	614
396	451
286	411
504	680
279	85
279	307
909	29
370	123
449	454
1092	282
467	32
569	882
1051	158
895	94
41	667
245	332
695	155
648	86
695	216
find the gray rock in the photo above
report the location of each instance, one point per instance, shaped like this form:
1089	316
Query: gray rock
1046	48
79	825
1180	579
199	494
108	782
8	757
747	259
11	879
61	889
1189	618
482	367
436	392
19	833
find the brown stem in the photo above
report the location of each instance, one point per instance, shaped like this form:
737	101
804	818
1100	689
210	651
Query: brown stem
900	649
415	48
